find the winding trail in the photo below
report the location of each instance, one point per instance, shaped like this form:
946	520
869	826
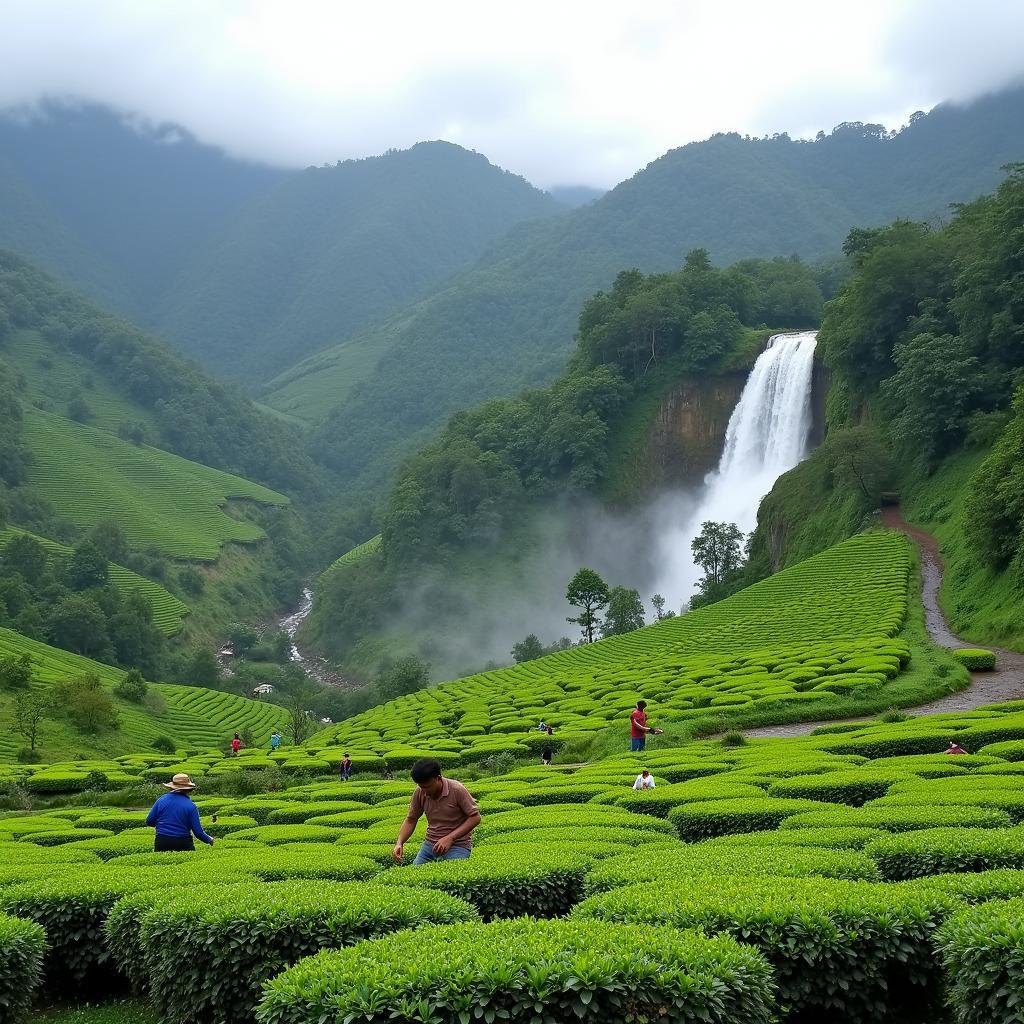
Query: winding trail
1005	683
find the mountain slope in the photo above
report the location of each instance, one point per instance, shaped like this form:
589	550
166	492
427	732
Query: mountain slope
509	321
138	204
331	248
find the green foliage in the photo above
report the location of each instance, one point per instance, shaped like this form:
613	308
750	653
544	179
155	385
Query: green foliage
132	687
510	968
22	945
15	672
975	659
87	704
981	953
210	961
708	818
625	612
931	851
850	948
588	592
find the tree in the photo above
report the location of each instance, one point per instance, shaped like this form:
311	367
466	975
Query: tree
87	704
718	550
588	592
132	687
527	649
407	675
203	668
78	624
301	724
658	603
15	671
243	637
26	556
30	709
109	538
625	612
861	460
87	568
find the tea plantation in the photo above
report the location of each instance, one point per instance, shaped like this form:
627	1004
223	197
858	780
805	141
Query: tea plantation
162	501
168	610
857	874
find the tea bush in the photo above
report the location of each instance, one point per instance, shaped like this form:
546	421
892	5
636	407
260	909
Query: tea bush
851	949
710	818
983	955
975	659
935	850
22	945
564	972
505	881
206	961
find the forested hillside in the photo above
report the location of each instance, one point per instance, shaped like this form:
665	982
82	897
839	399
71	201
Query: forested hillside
249	268
926	349
461	521
509	321
111	206
330	249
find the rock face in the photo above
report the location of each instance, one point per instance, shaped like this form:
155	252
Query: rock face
687	433
685	439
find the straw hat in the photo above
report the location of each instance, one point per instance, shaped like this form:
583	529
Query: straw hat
180	782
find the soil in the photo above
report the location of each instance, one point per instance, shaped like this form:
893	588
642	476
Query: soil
1005	683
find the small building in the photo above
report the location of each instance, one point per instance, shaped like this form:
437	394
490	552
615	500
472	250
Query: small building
227	651
263	690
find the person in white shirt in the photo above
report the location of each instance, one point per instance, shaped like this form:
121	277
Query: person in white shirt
645	780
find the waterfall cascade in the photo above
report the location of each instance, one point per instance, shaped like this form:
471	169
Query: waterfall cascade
767	435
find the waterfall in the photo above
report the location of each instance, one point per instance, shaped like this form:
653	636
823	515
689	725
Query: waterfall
766	436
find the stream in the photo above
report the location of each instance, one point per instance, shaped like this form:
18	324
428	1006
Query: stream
316	668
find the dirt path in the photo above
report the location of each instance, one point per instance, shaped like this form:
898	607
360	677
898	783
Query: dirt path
1005	683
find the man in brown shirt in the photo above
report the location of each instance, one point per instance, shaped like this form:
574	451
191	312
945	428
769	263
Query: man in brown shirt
451	812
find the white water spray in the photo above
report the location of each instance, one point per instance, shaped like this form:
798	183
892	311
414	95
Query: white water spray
767	435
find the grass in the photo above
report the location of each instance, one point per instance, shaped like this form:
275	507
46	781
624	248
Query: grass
162	501
120	1011
191	716
168	611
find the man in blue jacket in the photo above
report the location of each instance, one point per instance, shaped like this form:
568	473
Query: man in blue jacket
176	818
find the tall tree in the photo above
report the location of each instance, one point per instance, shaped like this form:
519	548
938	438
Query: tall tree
625	612
30	709
588	592
718	550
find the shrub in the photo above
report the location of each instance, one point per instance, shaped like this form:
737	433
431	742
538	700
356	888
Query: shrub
86	703
208	960
934	850
298	813
164	744
1009	802
570	972
132	687
1009	750
841	950
983	955
975	659
596	837
975	886
28	755
58	837
710	818
640	866
851	838
659	802
854	787
900	819
571	817
505	881
272	835
22	945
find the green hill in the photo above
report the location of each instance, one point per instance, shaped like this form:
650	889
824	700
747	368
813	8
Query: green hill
161	501
168	611
190	716
508	322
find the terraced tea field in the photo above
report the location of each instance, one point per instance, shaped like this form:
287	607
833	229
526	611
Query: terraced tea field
162	502
811	636
194	717
168	611
858	874
354	556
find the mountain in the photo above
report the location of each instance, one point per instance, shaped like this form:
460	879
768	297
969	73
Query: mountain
249	268
113	207
331	249
509	321
575	195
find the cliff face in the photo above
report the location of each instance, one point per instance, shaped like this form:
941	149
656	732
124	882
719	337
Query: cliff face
685	438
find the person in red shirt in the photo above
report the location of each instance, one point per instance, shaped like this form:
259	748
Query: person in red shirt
236	745
638	728
955	748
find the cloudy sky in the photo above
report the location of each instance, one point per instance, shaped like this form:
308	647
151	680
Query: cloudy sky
563	91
